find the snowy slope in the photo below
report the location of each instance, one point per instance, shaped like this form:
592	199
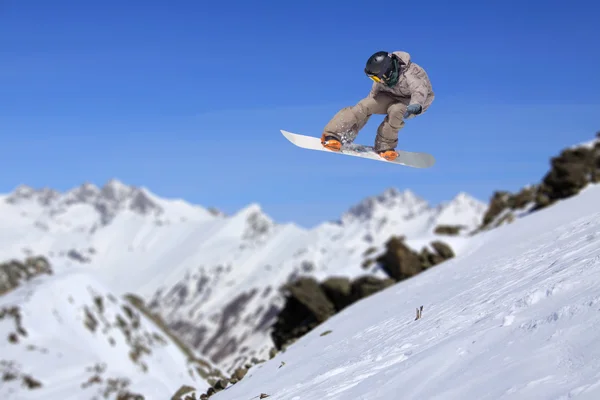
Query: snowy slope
213	278
516	316
64	330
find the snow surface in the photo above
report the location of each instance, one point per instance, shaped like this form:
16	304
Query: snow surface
60	351
193	264
516	316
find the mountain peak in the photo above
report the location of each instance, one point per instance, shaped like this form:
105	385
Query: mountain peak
389	201
104	204
463	209
249	209
26	193
252	222
116	190
108	200
465	198
395	197
394	193
81	194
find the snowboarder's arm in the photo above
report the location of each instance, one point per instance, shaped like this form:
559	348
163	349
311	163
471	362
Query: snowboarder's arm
418	87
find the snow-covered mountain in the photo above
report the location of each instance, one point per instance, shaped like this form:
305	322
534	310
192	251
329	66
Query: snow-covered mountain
516	317
213	278
65	336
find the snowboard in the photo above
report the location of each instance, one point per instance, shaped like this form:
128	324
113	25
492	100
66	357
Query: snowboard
407	158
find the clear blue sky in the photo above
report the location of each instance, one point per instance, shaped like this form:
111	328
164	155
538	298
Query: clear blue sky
187	97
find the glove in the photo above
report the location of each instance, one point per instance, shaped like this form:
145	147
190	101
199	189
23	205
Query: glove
412	109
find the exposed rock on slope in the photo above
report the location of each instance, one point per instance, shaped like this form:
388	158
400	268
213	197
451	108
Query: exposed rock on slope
401	262
14	272
310	303
450	230
572	170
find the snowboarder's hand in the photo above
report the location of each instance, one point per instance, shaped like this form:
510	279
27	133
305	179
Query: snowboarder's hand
412	109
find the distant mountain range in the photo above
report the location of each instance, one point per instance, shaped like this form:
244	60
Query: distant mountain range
213	278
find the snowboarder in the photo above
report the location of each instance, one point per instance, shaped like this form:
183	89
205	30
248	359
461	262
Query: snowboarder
401	90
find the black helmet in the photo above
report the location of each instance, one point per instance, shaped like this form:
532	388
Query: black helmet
383	67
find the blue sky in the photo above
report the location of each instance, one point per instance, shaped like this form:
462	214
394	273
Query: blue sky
187	98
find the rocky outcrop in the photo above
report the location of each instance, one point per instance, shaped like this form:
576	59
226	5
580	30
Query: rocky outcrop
449	230
441	252
571	171
14	272
401	262
367	285
306	306
503	204
309	303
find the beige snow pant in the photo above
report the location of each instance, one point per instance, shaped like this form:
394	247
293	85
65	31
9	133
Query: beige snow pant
346	124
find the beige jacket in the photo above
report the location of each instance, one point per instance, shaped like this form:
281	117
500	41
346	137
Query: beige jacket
413	83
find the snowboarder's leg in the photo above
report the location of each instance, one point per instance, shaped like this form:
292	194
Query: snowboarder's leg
387	132
345	125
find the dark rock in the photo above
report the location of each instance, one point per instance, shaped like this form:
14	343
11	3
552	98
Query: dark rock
240	373
306	306
221	384
339	291
365	286
522	198
309	293
450	230
498	203
571	171
429	258
31	383
399	261
442	249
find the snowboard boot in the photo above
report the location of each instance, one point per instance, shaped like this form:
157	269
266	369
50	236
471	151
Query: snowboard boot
389	155
331	142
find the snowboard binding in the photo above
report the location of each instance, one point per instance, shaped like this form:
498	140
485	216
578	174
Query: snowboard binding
331	143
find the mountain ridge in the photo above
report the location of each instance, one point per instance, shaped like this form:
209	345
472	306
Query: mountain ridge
209	275
141	199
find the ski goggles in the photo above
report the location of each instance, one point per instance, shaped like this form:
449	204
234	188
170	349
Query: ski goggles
375	78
